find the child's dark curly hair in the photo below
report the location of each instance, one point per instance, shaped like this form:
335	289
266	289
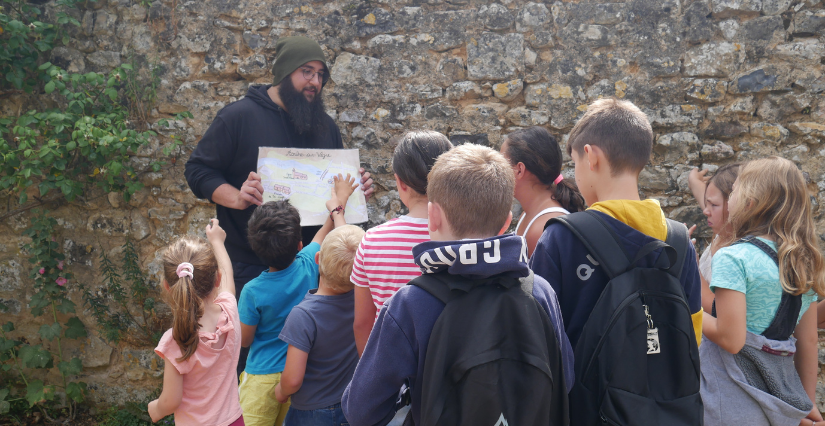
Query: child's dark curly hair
274	233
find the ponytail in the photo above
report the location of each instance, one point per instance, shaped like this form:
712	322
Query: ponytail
567	194
190	269
187	310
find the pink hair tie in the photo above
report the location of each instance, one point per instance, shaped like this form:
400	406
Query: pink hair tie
184	269
558	179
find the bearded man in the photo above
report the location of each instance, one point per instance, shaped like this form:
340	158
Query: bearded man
288	114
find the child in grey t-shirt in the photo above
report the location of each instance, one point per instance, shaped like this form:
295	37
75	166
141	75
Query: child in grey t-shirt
321	357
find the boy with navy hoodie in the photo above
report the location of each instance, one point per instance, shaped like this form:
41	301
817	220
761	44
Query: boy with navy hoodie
610	145
470	190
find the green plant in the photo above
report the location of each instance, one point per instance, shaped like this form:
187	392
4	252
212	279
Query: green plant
141	92
24	38
126	291
47	352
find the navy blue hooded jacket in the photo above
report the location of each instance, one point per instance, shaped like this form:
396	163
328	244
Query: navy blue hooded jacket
397	346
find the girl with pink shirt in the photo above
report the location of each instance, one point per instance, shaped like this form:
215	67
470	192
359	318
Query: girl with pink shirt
201	349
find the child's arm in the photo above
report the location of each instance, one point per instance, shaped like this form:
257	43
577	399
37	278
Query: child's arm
806	359
170	397
364	317
697	181
820	314
293	376
247	334
729	328
341	191
216	236
707	295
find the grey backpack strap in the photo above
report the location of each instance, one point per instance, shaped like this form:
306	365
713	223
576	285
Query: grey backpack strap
677	237
599	239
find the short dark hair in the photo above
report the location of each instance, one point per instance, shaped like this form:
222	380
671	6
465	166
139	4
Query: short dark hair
274	233
541	155
415	155
620	129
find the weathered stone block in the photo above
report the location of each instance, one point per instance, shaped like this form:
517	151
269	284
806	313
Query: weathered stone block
460	138
808	23
440	112
495	17
509	90
104	61
769	131
254	67
451	69
532	15
69	59
655	178
376	21
673	146
698	27
352	115
522	116
725	129
762	29
805	49
719	151
734	6
775	7
10	272
540	39
707	90
352	69
808	128
675	115
494	56
464	90
715	59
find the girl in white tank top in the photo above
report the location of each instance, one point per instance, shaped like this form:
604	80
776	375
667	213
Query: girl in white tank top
540	188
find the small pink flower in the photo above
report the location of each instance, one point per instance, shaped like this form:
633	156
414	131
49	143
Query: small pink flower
42	271
61	281
60	265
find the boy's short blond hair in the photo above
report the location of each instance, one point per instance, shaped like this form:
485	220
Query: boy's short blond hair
337	254
474	186
620	129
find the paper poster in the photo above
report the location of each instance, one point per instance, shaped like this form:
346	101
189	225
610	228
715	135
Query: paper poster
304	177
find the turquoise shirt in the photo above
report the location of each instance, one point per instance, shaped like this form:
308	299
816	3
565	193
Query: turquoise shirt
747	269
266	302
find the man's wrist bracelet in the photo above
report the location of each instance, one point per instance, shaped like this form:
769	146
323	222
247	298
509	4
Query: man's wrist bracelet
337	209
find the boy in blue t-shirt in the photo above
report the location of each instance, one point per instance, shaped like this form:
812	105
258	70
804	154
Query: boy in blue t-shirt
275	237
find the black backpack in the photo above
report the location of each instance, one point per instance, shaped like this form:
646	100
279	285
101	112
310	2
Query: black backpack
637	362
492	358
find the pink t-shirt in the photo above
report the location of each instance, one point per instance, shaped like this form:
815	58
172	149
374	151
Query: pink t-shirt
210	386
384	260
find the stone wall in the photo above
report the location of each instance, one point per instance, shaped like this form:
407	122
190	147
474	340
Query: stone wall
721	80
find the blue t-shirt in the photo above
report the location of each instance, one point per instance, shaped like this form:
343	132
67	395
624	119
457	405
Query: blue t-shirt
267	300
321	326
747	269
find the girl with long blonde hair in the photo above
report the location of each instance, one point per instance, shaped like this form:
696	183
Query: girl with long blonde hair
202	348
759	351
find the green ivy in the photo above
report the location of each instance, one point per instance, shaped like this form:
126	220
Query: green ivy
128	287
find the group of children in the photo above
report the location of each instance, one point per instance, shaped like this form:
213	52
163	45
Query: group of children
335	332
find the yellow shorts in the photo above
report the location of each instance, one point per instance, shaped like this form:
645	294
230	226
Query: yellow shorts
260	408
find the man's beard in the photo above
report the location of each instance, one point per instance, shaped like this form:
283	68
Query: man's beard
307	116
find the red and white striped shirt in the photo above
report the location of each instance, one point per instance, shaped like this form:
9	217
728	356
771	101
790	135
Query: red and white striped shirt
384	260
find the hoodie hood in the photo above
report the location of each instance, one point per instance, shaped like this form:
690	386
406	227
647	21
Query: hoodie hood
258	94
475	259
645	216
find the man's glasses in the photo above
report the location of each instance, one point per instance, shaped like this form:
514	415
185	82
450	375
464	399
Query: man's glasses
309	74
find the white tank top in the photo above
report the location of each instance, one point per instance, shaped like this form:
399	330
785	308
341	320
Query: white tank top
541	213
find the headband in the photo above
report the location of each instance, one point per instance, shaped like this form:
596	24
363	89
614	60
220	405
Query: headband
184	269
558	179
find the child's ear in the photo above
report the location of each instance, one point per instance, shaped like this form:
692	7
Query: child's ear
591	154
318	258
434	216
218	278
166	285
506	223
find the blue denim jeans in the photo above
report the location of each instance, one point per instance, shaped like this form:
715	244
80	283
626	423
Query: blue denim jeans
328	416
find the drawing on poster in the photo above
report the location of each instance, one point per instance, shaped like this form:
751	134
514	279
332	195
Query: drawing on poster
304	177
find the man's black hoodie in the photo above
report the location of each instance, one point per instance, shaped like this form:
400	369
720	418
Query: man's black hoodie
228	151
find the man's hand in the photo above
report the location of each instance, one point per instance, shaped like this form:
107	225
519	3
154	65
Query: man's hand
251	192
366	183
214	233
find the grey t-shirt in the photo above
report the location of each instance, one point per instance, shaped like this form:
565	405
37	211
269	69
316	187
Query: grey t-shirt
322	327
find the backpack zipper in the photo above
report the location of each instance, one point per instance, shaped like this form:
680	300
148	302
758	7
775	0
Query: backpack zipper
618	312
